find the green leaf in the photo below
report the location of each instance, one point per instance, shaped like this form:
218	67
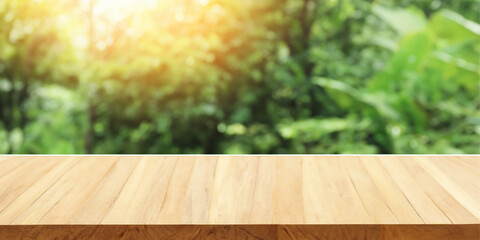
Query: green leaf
454	28
403	21
313	129
376	101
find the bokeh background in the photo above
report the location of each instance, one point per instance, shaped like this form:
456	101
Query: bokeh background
249	76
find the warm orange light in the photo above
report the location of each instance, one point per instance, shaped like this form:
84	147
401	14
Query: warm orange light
124	5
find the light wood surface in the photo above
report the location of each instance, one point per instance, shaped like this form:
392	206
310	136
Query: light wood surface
240	190
288	191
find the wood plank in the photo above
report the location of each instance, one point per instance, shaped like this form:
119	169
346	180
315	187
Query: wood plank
452	168
4	158
102	232
316	186
373	202
351	209
67	186
288	201
391	192
247	232
98	204
27	198
9	166
199	191
424	206
262	206
82	188
455	212
379	232
457	190
233	190
245	197
29	173
142	196
172	207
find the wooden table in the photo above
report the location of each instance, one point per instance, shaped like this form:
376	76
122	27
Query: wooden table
242	197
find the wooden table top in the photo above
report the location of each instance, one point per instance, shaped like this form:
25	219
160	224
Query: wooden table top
239	190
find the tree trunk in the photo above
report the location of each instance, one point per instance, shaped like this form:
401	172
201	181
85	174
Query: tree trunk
90	134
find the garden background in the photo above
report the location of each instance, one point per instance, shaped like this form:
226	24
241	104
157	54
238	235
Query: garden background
249	76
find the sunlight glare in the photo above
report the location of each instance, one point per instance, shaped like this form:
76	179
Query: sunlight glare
124	5
203	2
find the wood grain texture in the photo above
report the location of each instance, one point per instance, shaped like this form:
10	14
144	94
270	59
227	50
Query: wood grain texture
383	232
243	232
257	197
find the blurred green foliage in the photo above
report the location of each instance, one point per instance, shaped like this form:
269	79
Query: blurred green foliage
224	76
